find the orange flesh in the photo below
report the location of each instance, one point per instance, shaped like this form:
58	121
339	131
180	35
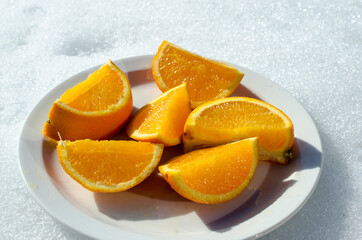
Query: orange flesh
216	170
178	66
166	116
253	119
109	162
152	117
100	91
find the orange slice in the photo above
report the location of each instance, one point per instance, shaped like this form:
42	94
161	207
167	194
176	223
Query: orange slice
162	120
229	119
213	175
206	79
96	108
108	166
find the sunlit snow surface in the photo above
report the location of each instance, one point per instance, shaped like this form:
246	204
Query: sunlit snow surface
312	49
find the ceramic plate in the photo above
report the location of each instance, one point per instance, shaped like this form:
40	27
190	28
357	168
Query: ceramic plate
152	210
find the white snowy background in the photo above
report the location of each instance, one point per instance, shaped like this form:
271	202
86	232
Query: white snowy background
310	48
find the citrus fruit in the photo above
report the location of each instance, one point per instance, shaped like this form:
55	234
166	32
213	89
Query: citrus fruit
206	79
162	120
234	118
213	175
96	108
108	166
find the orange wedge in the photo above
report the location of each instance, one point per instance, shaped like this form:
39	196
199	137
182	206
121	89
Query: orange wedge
162	120
96	108
108	166
230	119
213	175
206	79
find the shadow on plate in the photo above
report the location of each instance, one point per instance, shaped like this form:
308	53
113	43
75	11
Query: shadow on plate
154	199
140	77
50	160
242	91
143	201
267	193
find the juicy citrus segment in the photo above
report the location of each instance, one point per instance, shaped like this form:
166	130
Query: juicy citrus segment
213	175
96	108
162	120
100	92
108	166
206	79
229	119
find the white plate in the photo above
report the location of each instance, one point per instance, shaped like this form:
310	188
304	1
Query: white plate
152	210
